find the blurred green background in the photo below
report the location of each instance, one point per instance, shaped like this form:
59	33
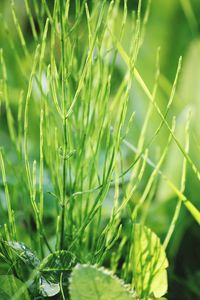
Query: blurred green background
174	26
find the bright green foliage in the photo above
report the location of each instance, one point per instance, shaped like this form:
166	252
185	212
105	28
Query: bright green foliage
87	127
91	283
149	263
9	286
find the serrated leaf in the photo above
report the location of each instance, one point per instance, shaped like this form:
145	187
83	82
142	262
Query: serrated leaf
91	283
56	263
9	286
149	263
48	289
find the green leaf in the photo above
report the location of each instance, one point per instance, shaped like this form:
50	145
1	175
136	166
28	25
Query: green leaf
88	282
3	295
24	253
9	286
159	283
24	259
48	289
56	263
149	264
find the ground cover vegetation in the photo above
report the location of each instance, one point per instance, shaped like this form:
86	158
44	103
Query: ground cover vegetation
99	150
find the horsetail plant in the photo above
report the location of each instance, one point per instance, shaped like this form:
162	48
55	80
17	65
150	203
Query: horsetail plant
74	218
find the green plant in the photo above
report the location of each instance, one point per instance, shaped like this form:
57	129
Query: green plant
76	199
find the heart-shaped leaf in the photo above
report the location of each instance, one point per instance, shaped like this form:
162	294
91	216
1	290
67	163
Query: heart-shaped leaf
149	264
91	283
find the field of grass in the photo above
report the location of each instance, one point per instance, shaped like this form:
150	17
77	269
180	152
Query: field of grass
99	149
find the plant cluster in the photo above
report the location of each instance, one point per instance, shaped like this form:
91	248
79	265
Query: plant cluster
73	224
